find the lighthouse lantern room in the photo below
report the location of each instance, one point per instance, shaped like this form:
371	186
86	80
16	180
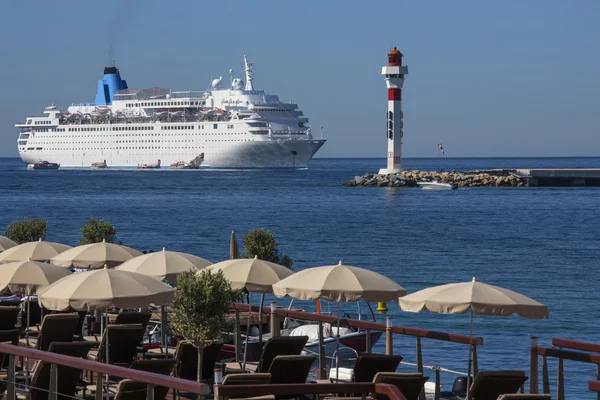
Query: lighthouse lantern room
394	79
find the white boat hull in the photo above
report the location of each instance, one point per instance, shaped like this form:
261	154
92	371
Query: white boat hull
435	186
253	154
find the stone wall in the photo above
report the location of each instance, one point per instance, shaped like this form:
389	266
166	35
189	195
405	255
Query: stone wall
461	179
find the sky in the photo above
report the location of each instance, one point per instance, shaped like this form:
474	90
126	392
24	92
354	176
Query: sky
486	79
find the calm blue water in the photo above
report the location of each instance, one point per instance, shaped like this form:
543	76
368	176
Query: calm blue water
542	242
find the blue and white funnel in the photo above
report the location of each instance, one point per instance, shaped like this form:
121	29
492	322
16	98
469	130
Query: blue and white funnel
108	86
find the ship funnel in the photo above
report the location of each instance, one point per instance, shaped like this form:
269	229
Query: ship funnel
108	86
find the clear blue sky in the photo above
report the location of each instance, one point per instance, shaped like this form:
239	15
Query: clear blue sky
505	78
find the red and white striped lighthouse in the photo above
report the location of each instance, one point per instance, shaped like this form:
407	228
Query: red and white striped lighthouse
394	79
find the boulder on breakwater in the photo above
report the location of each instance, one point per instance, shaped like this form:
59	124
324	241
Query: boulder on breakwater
461	179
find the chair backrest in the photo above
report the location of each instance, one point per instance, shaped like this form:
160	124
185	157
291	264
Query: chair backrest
133	317
67	378
521	396
10	336
123	341
8	317
368	365
247	379
57	328
280	346
160	366
131	390
187	357
35	313
291	369
488	385
410	384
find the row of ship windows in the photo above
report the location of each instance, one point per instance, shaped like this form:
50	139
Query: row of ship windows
166	103
131	128
153	135
42	122
112	148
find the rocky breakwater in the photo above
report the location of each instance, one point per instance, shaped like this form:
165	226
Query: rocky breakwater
461	179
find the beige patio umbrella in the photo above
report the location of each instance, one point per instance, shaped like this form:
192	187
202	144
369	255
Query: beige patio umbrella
95	255
478	298
252	275
164	265
96	290
6	243
234	251
35	251
26	277
339	283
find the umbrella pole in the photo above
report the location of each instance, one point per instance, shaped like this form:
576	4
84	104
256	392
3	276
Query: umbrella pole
470	358
337	347
105	332
27	335
247	331
163	328
260	325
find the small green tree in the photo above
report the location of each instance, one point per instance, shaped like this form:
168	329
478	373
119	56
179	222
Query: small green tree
27	230
97	230
262	244
200	308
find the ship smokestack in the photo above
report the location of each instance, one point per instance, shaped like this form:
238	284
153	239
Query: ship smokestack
108	86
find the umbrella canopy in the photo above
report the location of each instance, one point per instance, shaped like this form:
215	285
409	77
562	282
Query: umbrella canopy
252	274
339	283
6	243
35	251
164	265
30	274
481	298
234	251
95	255
95	290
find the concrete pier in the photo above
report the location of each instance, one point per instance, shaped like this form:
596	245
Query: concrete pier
559	176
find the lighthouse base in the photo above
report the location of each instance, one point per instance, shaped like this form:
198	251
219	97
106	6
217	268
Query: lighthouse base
386	171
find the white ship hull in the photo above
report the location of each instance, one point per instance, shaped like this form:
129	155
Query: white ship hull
257	154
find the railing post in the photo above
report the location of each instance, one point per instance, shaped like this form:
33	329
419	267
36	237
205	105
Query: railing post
389	343
545	376
99	385
322	374
533	366
10	391
598	377
368	341
150	392
238	337
560	381
420	364
437	384
273	320
53	386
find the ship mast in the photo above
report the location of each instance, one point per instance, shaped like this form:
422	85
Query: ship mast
249	74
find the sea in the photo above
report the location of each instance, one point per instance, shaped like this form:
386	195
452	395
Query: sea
542	242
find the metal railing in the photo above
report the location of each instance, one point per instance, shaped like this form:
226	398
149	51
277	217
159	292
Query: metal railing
100	369
578	351
388	328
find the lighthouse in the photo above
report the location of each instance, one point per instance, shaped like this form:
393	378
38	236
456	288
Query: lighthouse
394	79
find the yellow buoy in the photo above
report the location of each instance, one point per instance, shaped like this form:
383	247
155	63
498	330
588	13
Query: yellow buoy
381	306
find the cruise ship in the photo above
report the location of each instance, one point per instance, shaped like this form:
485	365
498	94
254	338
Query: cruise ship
227	126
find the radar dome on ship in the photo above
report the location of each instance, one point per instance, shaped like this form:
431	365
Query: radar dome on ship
216	82
237	84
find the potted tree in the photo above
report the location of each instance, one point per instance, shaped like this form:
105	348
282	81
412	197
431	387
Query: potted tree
200	309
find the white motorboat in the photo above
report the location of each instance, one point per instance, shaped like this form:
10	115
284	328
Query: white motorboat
99	165
435	185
